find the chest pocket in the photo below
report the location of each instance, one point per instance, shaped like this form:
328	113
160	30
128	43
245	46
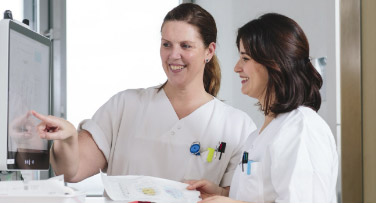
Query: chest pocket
251	186
199	167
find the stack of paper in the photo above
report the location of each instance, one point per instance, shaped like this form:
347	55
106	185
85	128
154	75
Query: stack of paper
147	188
51	190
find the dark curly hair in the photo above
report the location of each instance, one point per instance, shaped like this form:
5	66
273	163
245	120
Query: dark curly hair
278	43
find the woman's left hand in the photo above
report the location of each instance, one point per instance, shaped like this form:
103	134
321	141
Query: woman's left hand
219	199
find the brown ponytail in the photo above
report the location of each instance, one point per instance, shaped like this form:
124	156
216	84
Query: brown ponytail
212	76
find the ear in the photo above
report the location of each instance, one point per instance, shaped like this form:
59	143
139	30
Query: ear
210	51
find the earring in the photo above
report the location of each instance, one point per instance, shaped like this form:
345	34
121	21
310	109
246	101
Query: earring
207	60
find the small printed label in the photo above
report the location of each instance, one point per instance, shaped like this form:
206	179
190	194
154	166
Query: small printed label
10	161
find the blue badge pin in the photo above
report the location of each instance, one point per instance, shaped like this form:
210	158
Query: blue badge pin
195	148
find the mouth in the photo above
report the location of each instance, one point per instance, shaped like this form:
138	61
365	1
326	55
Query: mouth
176	68
244	79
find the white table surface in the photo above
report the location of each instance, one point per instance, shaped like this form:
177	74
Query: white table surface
101	200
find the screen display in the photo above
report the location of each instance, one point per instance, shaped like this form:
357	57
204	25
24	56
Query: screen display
29	62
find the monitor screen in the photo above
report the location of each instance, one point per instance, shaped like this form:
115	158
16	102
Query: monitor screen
28	89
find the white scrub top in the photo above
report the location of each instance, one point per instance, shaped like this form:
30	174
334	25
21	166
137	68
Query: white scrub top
294	160
139	133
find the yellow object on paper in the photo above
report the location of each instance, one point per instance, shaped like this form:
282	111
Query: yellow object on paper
147	188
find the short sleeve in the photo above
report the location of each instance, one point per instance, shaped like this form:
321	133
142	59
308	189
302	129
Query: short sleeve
291	168
230	170
104	124
248	126
301	164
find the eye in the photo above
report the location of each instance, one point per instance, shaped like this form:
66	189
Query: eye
185	46
245	59
165	44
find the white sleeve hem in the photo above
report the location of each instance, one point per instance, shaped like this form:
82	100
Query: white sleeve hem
226	179
98	136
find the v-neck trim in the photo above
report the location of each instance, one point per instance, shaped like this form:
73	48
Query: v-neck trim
259	129
192	113
266	129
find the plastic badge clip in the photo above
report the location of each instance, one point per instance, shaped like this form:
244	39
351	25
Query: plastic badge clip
195	148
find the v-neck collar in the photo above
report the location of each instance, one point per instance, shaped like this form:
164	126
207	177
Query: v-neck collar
189	115
269	126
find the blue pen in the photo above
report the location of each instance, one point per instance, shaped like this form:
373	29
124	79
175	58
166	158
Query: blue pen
249	167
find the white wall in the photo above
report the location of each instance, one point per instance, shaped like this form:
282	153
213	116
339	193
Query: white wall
317	18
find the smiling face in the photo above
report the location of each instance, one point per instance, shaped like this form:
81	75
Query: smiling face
254	76
183	54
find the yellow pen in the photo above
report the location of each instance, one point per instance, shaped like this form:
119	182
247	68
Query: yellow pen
209	158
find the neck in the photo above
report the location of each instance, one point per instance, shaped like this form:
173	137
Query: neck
186	100
270	116
262	101
186	93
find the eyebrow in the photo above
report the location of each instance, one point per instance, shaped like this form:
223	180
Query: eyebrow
184	41
244	53
187	41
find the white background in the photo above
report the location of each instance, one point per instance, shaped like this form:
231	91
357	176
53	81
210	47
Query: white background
111	46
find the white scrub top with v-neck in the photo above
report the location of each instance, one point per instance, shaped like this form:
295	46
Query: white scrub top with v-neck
294	159
139	133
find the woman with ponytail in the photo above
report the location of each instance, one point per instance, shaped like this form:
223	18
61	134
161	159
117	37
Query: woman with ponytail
292	157
170	131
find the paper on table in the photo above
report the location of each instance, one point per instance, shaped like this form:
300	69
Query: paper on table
53	186
147	188
51	190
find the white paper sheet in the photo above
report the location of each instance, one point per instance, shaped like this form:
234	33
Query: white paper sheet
53	186
147	188
51	190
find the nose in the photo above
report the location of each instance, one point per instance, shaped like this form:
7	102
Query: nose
237	67
175	52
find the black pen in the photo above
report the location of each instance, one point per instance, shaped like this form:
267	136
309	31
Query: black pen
222	148
244	160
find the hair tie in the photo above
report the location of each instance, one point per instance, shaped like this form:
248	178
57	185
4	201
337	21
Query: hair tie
307	60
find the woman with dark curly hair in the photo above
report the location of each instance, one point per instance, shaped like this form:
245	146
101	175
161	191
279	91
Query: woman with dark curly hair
292	157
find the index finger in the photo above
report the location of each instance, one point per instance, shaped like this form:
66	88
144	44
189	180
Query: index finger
189	181
43	118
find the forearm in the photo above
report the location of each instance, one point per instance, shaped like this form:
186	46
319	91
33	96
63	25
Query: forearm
225	191
65	157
